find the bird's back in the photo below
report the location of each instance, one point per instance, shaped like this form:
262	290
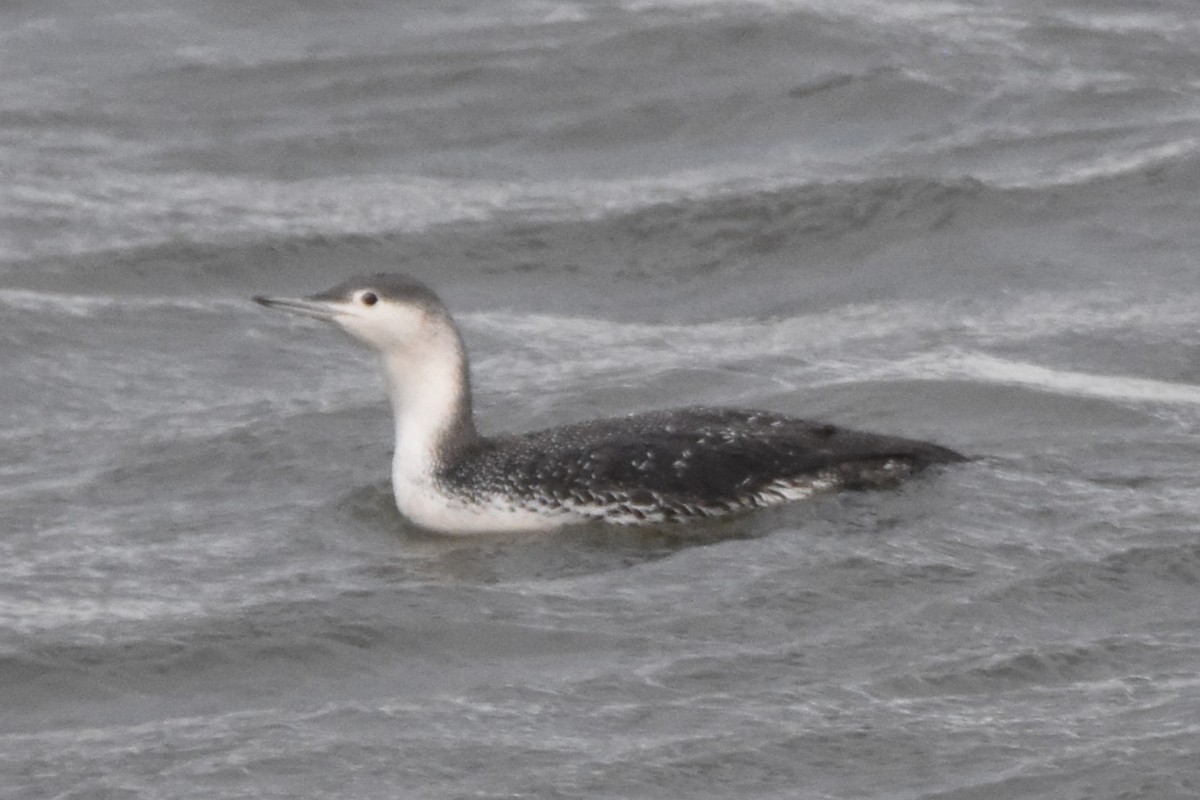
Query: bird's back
663	465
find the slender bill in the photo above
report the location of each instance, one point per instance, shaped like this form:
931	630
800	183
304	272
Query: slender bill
321	309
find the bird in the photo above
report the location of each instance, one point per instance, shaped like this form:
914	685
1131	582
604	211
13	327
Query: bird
648	468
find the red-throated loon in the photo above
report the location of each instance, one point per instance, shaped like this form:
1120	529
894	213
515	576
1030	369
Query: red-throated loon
658	466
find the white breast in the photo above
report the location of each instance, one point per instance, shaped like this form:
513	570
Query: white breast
429	506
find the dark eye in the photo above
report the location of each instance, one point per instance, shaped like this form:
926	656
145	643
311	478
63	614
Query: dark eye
368	298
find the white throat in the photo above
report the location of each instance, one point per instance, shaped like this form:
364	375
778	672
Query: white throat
429	402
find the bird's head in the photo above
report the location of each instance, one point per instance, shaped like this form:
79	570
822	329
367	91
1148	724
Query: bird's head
393	314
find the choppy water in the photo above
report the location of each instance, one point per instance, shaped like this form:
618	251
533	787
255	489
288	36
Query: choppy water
969	222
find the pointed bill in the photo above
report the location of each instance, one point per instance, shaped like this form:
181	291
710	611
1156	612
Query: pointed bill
303	306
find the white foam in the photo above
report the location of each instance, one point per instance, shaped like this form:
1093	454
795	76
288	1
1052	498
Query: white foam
920	11
985	368
1109	164
48	611
81	305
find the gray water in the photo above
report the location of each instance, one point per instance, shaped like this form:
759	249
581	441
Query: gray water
968	222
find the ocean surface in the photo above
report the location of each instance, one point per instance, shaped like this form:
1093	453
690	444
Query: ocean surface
965	221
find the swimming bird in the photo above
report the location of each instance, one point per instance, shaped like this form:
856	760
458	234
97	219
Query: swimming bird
646	468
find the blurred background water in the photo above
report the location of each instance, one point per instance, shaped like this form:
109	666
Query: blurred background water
963	221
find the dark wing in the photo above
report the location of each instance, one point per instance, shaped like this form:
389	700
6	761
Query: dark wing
693	455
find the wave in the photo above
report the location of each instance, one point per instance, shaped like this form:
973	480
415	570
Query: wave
758	210
253	649
220	217
852	343
544	110
1076	665
1035	655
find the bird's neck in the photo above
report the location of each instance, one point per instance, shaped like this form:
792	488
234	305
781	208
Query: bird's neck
431	402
